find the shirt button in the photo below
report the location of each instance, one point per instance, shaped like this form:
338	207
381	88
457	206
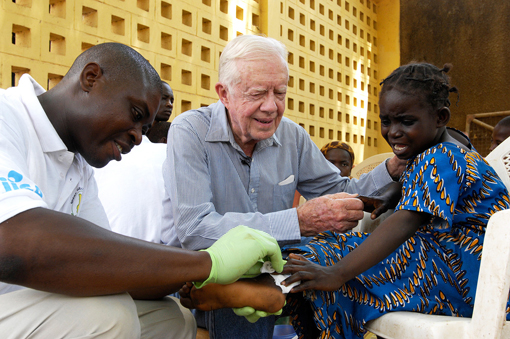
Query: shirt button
253	190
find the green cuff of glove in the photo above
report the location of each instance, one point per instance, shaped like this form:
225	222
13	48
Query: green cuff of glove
212	275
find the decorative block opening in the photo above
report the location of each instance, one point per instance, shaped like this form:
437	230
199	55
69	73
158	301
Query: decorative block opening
331	73
321	70
143	33
291	13
331	115
207	3
291	82
16	73
301	62
290	104
312	66
290	58
58	8
355	138
290	35
302	84
186	77
89	16
25	3
331	96
166	10
57	44
312	109
339	135
205	81
85	46
21	36
255	20
224	6
321	132
302	40
186	47
312	4
239	13
118	25
166	41
187	19
205	54
166	72
53	79
302	19
347	137
185	105
321	91
321	112
330	134
311	131
301	107
206	26
312	87
143	4
223	33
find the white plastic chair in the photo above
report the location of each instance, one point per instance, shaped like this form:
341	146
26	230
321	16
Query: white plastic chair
499	159
366	224
489	313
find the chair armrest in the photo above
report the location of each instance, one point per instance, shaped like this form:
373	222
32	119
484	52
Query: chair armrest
494	277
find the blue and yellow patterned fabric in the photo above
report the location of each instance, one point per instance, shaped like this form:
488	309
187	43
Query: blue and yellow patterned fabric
434	272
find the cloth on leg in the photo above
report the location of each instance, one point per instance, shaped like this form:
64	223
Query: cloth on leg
35	314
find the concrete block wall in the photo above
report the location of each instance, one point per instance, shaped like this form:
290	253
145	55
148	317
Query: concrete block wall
333	87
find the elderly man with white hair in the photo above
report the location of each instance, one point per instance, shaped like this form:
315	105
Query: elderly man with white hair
240	161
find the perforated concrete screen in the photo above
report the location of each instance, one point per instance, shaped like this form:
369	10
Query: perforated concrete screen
333	86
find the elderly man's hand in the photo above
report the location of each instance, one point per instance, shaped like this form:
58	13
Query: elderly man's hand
335	212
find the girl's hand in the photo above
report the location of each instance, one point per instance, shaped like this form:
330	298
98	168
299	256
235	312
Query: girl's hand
312	276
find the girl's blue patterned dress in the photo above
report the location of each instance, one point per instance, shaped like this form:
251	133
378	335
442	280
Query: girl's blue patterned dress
435	271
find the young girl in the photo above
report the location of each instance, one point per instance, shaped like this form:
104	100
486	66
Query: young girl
426	256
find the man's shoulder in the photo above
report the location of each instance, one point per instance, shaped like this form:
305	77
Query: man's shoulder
200	115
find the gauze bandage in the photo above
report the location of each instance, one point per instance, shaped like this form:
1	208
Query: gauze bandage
278	278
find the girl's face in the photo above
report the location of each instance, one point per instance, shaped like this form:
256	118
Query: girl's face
409	124
341	159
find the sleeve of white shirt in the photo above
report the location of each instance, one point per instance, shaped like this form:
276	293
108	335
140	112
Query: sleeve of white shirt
17	192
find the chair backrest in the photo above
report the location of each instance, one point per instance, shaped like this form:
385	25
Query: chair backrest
369	164
499	159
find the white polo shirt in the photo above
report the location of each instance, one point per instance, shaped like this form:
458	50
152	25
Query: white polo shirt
36	169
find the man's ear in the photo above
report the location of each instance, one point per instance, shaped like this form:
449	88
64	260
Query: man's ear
443	116
89	75
222	91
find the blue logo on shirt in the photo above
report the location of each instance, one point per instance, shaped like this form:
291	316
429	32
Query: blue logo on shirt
12	183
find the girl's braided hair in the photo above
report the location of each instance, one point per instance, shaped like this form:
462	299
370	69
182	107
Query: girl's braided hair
415	78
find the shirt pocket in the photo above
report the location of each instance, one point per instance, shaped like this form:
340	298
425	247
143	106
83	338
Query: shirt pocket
283	196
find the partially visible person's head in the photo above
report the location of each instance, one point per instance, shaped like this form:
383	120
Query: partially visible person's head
109	95
253	76
341	155
166	105
414	111
159	131
500	133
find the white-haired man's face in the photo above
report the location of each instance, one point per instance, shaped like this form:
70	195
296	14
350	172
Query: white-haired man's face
256	104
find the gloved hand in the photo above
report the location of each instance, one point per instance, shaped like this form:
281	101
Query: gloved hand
237	251
253	315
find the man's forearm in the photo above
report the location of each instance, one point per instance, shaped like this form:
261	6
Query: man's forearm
55	252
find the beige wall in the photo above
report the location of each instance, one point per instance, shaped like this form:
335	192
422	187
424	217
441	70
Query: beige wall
335	50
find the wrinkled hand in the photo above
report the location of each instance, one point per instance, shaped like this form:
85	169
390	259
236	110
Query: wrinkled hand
338	212
253	315
312	276
396	167
237	251
388	199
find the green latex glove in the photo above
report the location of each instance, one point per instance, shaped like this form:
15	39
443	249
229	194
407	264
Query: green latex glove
237	251
253	315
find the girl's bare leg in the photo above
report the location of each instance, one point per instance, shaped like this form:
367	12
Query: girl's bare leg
261	293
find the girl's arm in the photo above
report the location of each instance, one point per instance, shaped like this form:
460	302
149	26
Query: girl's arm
387	237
